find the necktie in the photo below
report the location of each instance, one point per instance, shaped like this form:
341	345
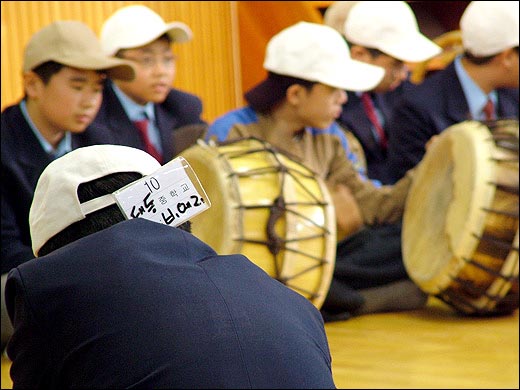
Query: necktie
368	106
489	110
142	126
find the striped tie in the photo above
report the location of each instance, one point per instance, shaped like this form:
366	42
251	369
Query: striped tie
368	106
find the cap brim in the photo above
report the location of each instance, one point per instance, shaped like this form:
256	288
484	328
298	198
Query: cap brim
412	48
179	32
115	68
354	76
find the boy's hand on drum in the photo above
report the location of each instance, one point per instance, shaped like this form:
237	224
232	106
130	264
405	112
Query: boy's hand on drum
348	215
430	142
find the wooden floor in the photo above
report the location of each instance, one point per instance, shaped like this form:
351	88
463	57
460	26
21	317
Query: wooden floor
430	348
433	348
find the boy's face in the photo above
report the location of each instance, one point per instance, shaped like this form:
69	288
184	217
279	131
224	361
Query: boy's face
319	106
155	71
68	102
395	72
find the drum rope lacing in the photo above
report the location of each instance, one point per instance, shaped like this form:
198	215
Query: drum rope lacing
279	208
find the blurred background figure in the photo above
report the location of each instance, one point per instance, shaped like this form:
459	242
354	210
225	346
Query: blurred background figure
294	109
63	74
336	14
146	112
480	84
385	34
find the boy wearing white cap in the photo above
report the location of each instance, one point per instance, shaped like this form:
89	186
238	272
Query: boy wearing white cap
63	73
480	84
386	34
116	301
146	112
294	109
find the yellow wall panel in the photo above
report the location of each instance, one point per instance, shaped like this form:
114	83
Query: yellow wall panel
208	66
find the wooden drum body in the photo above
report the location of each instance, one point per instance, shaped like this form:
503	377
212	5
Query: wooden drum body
460	225
269	208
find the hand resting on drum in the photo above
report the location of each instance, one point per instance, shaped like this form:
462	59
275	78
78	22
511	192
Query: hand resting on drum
348	215
430	142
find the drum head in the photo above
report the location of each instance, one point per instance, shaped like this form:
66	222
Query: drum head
444	208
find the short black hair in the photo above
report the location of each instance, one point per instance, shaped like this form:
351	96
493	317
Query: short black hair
46	70
373	52
478	60
267	95
98	220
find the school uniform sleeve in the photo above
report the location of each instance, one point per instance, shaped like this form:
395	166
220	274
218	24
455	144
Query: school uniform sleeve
378	205
28	348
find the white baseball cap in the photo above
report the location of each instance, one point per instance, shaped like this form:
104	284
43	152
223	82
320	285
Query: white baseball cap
137	25
316	52
391	27
56	206
489	27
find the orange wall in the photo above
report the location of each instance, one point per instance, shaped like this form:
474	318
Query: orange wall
259	21
208	65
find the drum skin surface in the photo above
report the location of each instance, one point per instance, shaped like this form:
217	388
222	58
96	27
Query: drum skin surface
270	208
460	225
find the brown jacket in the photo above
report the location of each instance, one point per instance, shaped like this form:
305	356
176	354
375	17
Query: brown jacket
324	154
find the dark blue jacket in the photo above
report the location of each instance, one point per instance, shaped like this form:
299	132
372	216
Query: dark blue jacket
178	110
428	109
354	118
145	305
23	161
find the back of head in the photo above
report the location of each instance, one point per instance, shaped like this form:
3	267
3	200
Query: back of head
74	44
137	25
391	27
56	204
489	27
316	53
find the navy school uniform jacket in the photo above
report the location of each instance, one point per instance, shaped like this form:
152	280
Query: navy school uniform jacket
178	110
354	118
428	109
23	161
145	305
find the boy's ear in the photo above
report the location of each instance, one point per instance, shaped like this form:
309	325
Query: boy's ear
508	58
33	84
294	93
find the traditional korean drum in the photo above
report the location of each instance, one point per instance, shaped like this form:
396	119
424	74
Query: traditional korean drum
270	208
460	225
